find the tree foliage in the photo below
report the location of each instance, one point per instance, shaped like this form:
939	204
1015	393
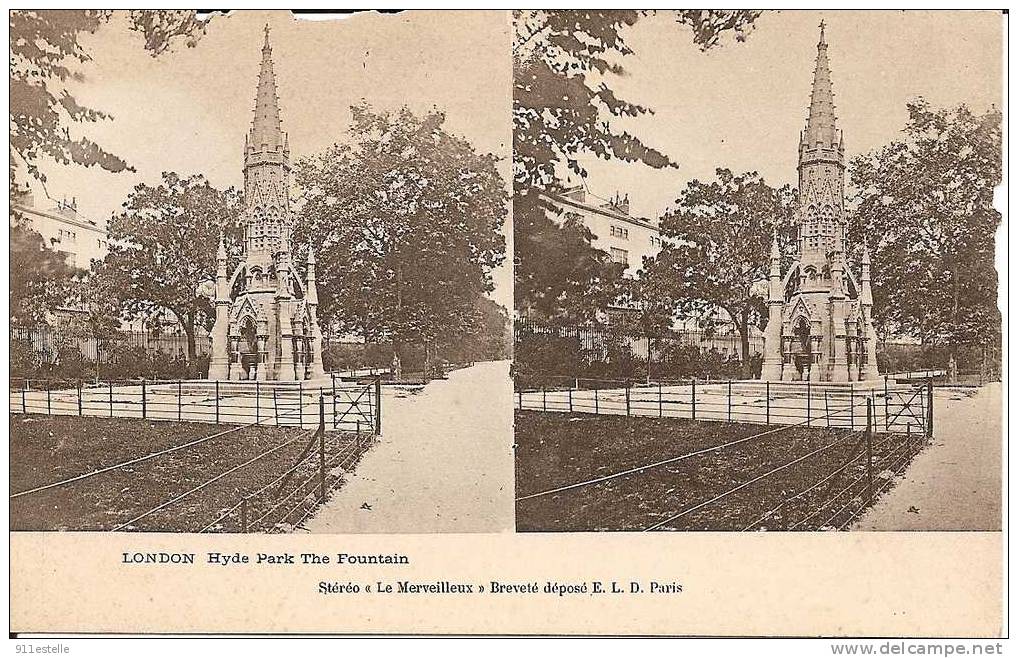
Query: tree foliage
563	109
925	202
560	277
716	253
405	219
45	55
164	244
39	276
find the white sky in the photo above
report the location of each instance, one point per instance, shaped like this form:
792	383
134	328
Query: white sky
742	105
189	109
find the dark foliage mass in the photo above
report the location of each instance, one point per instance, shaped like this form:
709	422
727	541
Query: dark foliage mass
405	219
563	107
925	202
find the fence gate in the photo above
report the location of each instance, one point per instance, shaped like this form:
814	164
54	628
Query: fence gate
909	409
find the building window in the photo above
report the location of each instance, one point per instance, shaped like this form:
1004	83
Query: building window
655	241
619	232
620	256
67	236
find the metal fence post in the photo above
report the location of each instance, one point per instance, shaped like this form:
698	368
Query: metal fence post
570	394
544	398
660	402
596	409
851	406
767	393
24	397
300	402
809	400
627	398
79	400
49	399
693	400
335	420
258	402
869	449
321	446
729	400
275	407
217	401
378	406
929	408
887	397
144	400
111	399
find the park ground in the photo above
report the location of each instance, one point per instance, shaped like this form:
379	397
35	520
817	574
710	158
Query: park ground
956	483
556	450
50	449
443	463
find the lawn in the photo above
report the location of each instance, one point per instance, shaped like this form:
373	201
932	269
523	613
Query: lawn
555	450
48	449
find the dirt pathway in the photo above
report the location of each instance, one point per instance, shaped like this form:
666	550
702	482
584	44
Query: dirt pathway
444	462
955	484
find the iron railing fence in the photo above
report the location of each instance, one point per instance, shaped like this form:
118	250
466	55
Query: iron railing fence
899	407
620	352
349	405
45	343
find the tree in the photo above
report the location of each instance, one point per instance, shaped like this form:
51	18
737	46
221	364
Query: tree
559	114
560	278
44	51
40	276
491	340
405	219
164	243
716	251
926	204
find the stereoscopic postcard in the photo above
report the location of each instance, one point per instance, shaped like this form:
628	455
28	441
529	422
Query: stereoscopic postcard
533	322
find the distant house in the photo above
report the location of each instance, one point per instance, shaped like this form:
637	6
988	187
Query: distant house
79	238
626	238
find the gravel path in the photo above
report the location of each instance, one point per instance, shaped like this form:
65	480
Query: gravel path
955	484
444	462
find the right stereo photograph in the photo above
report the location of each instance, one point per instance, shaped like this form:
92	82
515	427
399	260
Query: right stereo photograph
755	282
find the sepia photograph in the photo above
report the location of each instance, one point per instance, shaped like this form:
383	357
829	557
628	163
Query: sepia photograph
547	323
755	281
260	274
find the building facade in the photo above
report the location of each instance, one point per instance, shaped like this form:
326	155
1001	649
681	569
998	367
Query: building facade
79	239
266	324
626	238
820	324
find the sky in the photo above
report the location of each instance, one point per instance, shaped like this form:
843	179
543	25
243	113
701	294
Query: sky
188	110
742	105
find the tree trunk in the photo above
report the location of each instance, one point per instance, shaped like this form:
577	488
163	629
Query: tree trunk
952	363
192	347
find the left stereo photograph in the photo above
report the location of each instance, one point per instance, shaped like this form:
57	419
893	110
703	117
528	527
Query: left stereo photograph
260	269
